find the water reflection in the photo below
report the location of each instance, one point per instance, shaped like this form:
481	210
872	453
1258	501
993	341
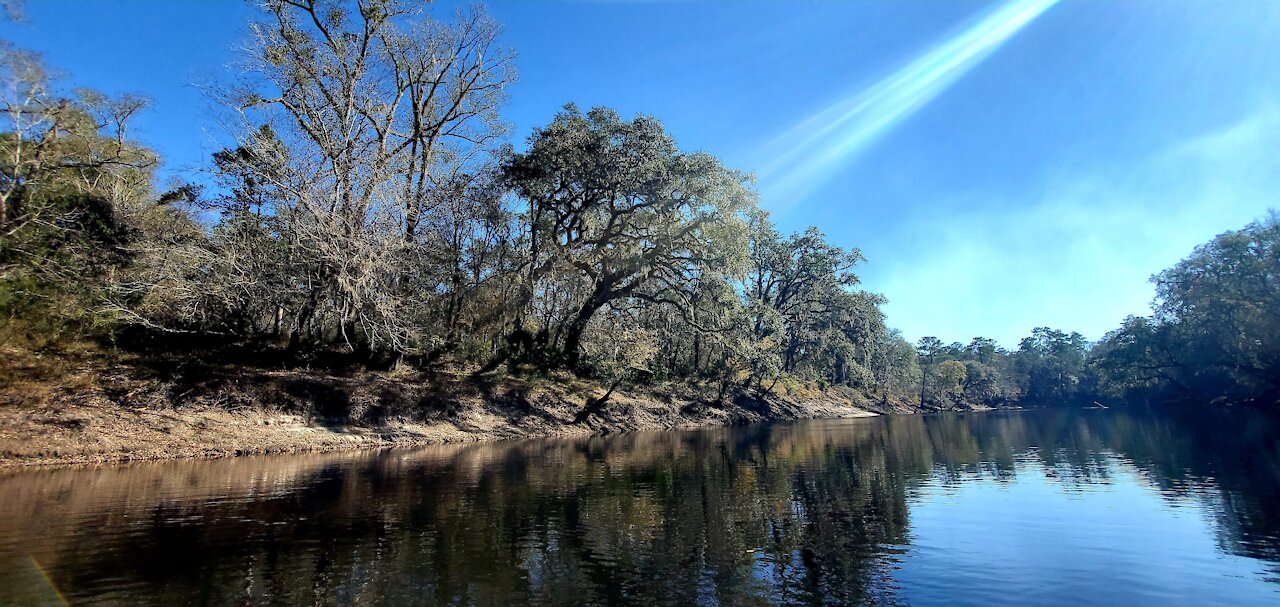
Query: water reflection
811	513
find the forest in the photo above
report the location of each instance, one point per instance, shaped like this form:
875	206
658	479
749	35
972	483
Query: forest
371	212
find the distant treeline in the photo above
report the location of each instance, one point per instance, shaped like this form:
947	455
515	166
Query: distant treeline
370	208
1214	337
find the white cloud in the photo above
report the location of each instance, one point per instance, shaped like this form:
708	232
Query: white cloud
1079	257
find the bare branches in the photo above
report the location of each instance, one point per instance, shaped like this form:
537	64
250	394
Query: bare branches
381	118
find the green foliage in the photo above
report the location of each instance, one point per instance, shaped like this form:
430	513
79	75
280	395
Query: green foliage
71	188
894	365
1216	331
1052	366
978	374
806	319
951	378
616	213
393	225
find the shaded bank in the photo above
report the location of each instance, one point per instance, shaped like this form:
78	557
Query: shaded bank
98	411
806	513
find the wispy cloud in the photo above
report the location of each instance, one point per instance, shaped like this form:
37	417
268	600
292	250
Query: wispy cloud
811	152
1078	257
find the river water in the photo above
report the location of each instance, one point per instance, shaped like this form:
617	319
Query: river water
1050	507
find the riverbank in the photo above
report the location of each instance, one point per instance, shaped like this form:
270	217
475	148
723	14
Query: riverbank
91	410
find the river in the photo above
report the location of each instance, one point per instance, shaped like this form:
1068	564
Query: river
1048	507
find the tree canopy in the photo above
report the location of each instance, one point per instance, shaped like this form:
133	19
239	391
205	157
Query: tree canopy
369	207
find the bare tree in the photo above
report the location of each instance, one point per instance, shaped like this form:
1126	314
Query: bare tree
382	112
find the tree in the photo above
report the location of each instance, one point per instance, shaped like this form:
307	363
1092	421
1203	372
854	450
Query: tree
615	212
795	289
894	365
362	185
71	181
1215	334
1222	306
1136	361
368	206
1053	365
983	350
928	349
951	379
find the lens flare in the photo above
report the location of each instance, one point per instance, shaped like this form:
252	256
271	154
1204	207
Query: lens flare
816	147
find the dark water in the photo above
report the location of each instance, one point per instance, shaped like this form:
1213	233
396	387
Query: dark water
1034	508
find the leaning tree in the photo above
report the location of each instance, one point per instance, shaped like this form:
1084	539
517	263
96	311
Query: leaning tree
615	214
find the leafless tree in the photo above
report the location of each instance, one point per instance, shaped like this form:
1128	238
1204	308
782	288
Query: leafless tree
367	129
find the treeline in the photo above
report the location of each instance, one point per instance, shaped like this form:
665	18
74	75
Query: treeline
1214	337
1049	367
370	208
1215	334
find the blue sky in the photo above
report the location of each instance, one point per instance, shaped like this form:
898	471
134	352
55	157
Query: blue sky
1036	176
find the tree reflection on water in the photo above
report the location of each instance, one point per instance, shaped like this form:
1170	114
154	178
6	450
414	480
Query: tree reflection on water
810	513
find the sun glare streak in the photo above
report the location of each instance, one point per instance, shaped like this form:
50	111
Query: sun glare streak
49	585
812	150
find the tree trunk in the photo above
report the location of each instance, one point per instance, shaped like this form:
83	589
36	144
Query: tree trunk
572	352
923	383
697	354
594	406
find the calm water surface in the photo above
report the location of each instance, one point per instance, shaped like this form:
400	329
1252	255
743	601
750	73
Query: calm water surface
1032	508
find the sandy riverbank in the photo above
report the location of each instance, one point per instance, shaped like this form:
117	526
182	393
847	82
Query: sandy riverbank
103	413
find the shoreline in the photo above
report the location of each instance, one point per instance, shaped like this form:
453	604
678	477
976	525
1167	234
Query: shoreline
90	430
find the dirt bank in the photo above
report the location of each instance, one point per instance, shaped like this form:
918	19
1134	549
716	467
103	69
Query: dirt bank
94	411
